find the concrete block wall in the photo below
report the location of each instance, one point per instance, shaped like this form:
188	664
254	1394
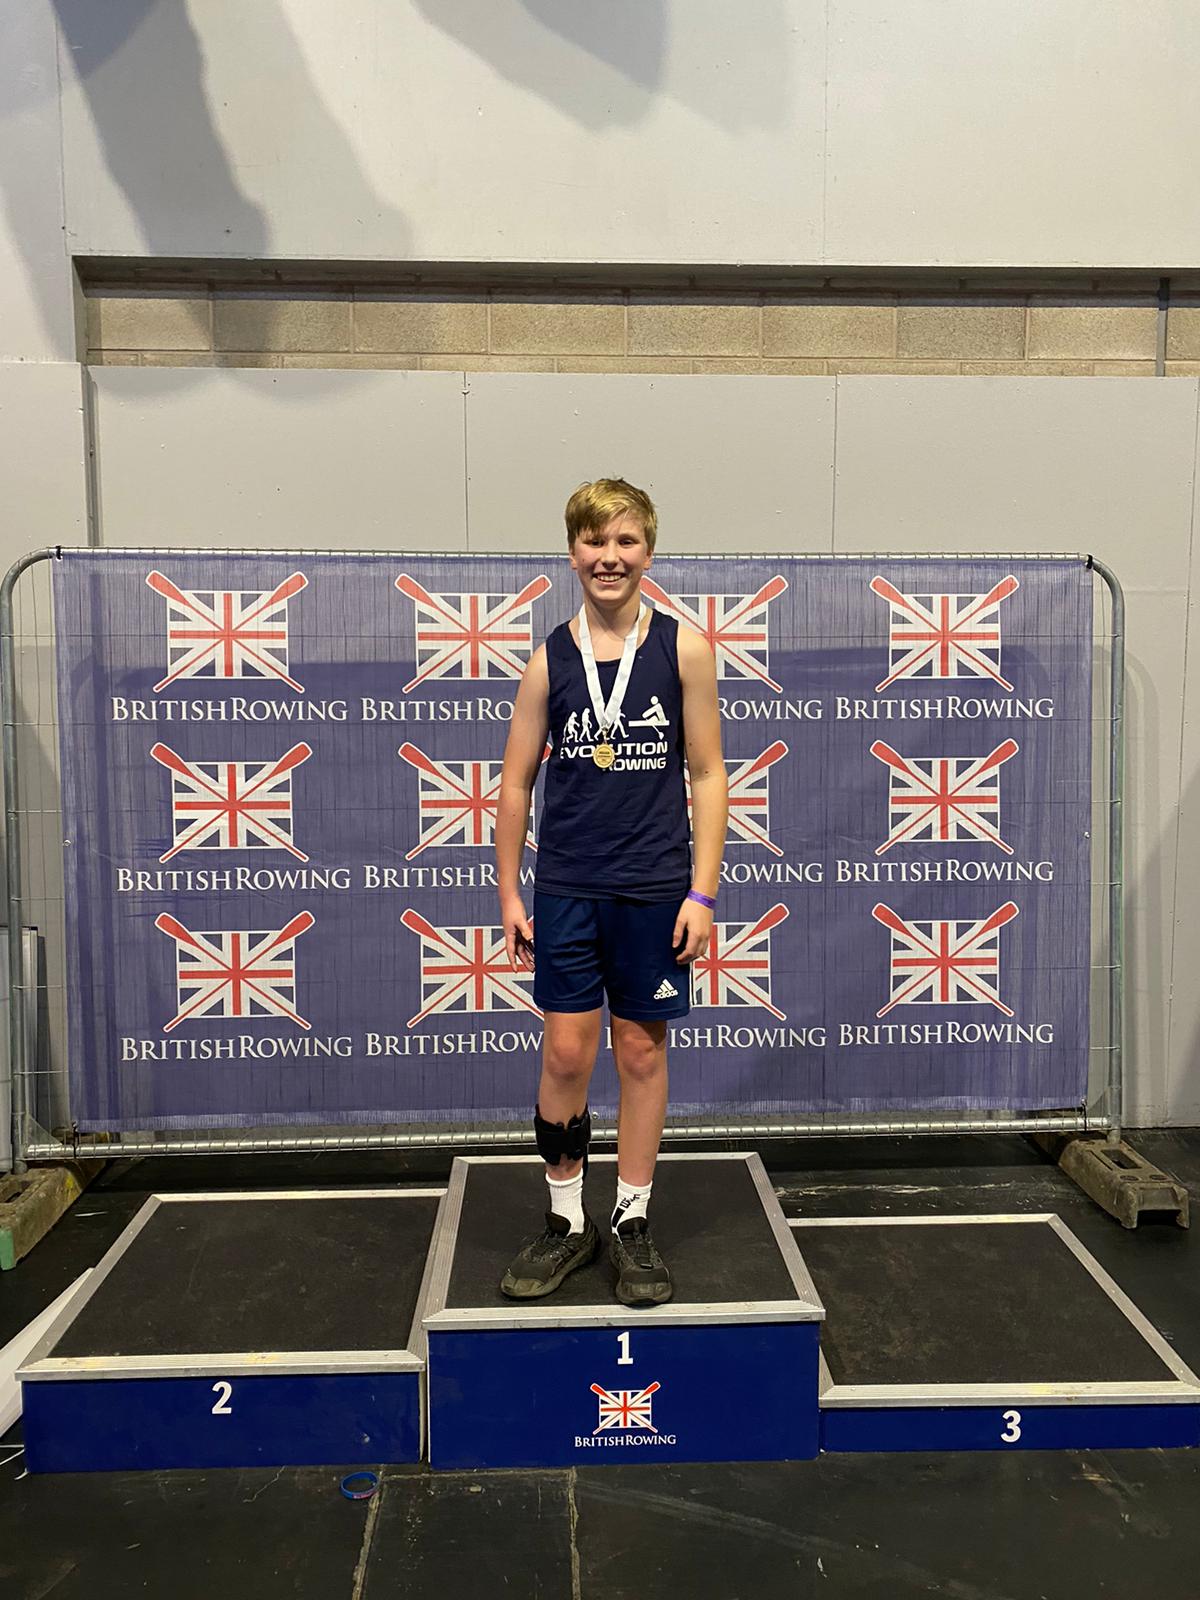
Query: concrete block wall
1070	332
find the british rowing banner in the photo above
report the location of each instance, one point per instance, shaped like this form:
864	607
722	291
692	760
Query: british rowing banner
280	780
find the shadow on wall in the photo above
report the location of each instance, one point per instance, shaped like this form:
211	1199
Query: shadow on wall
732	65
151	98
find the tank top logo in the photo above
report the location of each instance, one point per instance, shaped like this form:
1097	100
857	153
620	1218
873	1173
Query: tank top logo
638	741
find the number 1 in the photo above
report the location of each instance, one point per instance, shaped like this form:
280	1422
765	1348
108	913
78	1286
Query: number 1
624	1359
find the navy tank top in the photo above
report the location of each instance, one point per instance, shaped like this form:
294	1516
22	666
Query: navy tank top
620	833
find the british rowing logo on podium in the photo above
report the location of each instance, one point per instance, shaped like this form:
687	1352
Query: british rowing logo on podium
231	805
735	970
472	635
944	635
943	799
945	963
227	633
456	801
749	798
735	626
625	1408
245	974
467	969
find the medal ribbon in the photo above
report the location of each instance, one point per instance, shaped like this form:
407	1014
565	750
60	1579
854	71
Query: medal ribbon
606	715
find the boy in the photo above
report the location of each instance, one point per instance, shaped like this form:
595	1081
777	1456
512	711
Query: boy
625	696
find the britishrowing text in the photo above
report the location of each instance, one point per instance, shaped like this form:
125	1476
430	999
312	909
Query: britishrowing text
230	880
772	710
948	871
245	1047
952	708
605	1441
488	1041
481	876
893	1033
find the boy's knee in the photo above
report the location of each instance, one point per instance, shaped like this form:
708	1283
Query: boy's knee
639	1055
568	1065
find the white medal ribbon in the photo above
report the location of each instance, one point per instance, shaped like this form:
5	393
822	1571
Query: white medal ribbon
606	715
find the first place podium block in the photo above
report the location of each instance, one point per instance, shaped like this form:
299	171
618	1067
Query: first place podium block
727	1371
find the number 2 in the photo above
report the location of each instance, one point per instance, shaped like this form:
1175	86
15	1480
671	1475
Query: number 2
222	1390
624	1359
1012	1431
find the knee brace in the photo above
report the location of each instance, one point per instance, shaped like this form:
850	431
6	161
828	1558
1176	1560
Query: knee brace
556	1143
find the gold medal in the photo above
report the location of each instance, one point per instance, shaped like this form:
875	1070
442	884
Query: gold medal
604	755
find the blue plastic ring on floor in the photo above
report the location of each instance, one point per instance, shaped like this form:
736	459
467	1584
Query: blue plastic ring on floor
360	1485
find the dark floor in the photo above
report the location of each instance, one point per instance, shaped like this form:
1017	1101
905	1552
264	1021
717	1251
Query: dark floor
1026	1526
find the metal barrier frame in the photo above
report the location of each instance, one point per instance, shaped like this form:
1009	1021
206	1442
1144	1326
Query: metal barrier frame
32	1143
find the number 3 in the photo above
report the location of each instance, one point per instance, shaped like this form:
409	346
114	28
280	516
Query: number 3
222	1391
1012	1431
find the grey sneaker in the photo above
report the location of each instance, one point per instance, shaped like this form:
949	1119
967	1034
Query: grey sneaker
642	1275
544	1261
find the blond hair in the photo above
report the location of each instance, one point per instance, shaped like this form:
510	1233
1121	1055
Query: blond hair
594	505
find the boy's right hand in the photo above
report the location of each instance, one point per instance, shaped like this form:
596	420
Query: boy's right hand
518	934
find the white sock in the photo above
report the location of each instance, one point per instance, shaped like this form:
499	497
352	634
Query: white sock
632	1200
566	1199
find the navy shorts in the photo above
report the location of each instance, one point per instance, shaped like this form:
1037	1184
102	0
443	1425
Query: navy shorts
587	949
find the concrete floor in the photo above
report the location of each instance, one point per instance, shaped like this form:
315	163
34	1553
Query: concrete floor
1025	1526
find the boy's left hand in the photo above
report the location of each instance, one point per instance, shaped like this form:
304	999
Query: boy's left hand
693	927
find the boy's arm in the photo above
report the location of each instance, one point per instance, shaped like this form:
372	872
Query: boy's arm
710	788
522	759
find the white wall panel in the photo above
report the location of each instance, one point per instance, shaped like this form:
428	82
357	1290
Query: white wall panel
42	457
1021	464
1037	132
731	463
346	460
36	279
1183	1088
1154	693
645	130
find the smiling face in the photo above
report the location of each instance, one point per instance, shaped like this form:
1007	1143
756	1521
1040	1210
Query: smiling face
610	560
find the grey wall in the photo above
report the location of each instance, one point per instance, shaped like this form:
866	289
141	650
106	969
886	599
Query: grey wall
1037	132
427	460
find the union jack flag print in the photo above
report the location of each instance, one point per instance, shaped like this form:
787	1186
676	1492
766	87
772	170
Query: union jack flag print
944	635
625	1408
472	635
735	970
227	633
456	800
467	969
231	805
245	974
749	798
945	963
944	799
735	626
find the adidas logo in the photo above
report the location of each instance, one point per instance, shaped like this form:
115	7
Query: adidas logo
666	990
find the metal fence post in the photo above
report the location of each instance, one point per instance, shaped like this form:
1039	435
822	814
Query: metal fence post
1116	855
17	997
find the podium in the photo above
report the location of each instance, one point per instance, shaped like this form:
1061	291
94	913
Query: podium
726	1371
986	1332
353	1327
242	1329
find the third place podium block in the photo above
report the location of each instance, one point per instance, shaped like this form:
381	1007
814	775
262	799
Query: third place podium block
727	1371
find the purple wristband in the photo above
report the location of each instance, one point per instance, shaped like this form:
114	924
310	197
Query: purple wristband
702	899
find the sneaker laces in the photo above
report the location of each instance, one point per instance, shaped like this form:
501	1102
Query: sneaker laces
551	1242
639	1245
